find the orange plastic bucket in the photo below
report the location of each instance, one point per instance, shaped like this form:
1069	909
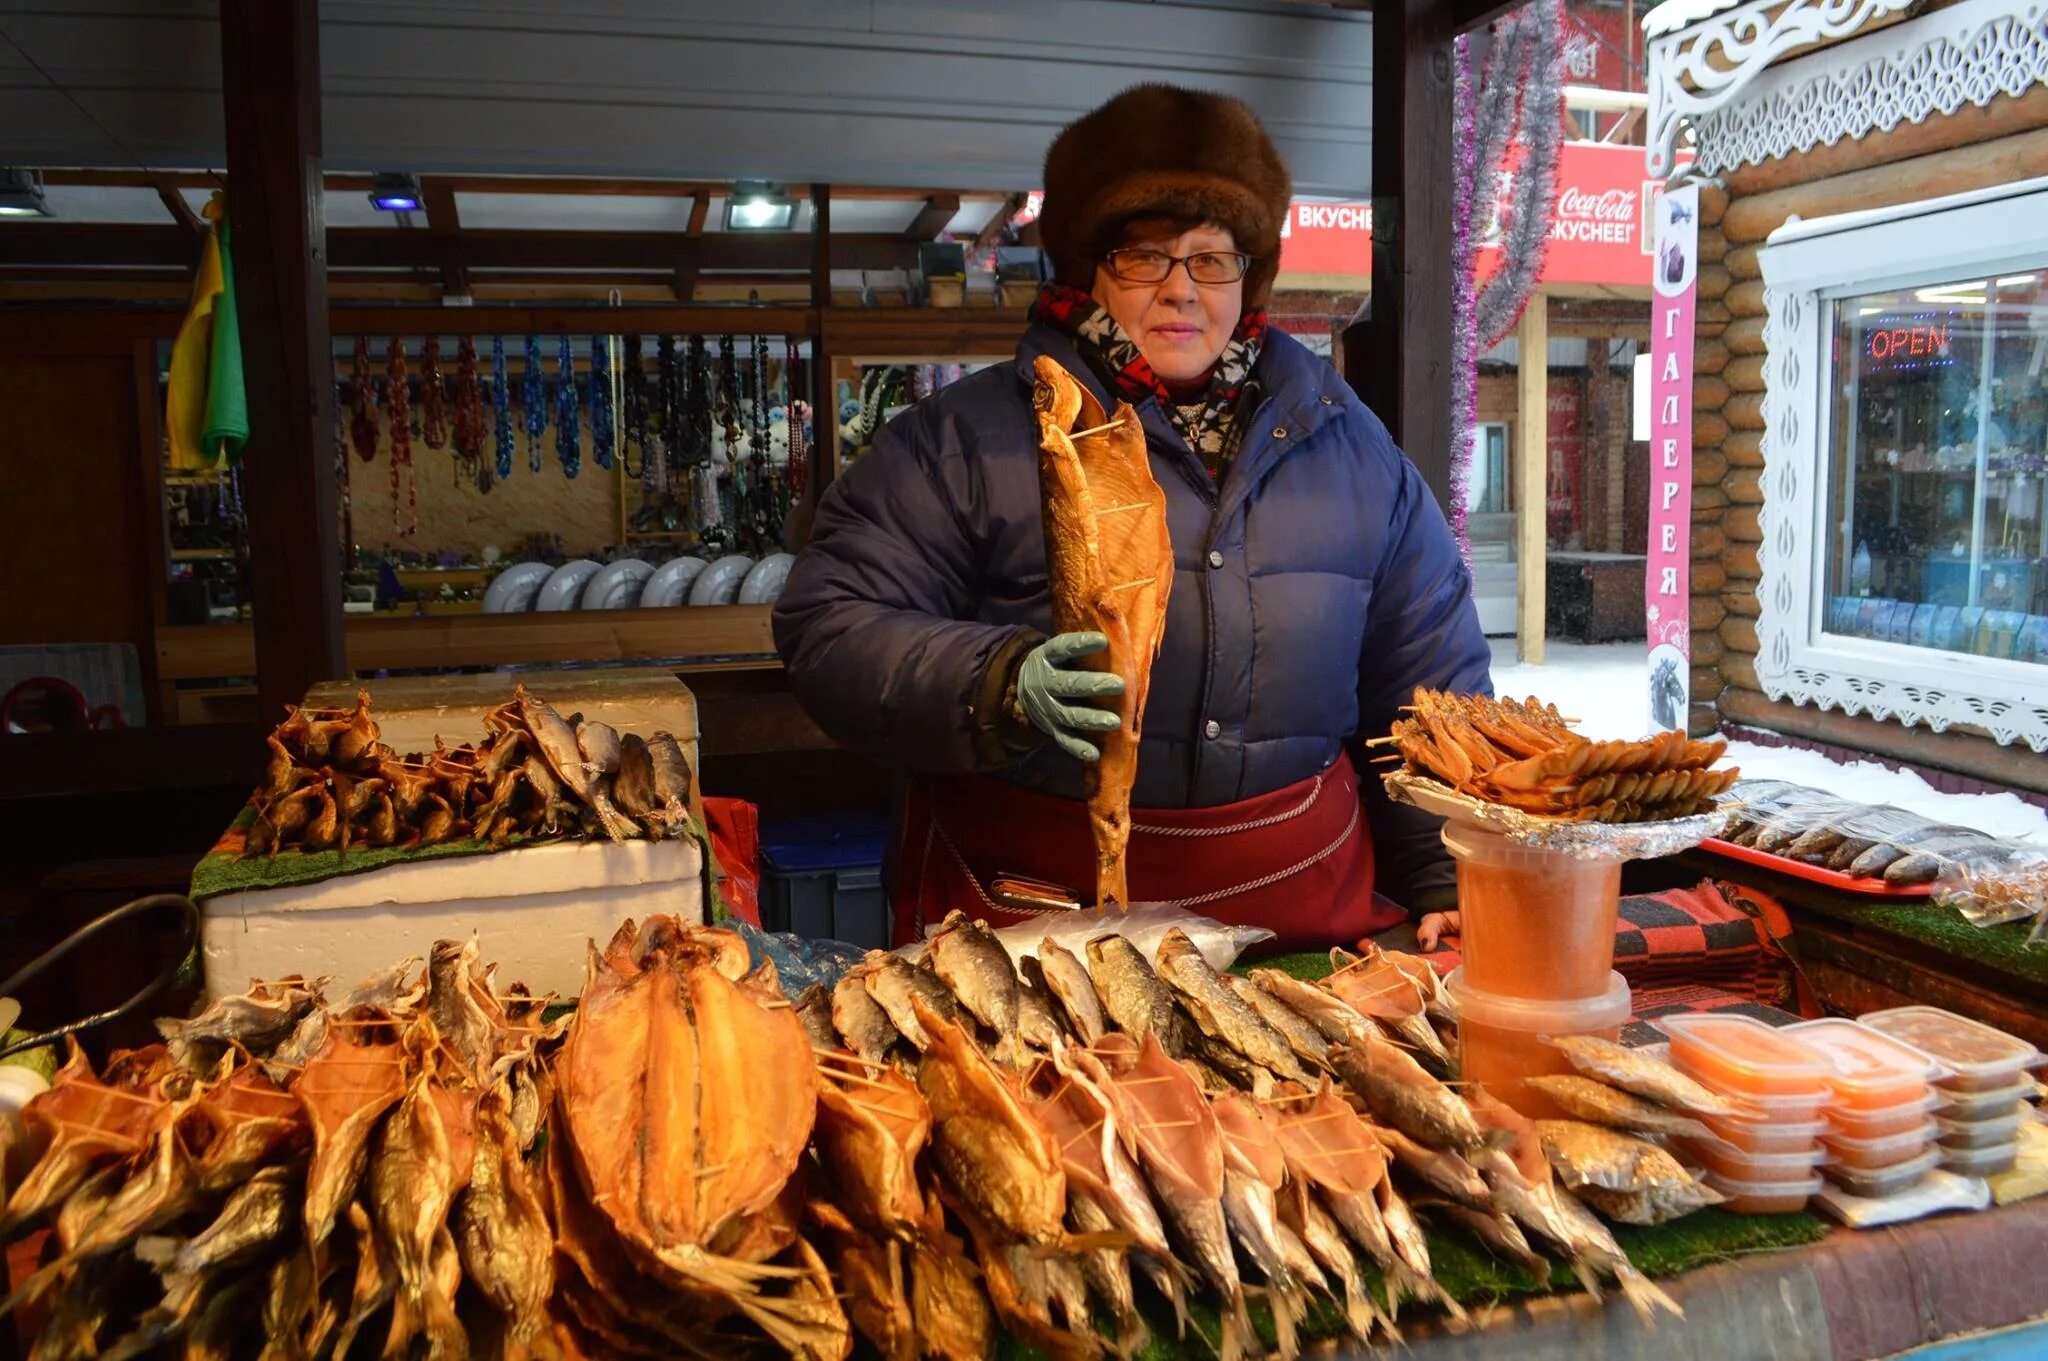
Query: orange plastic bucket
1534	924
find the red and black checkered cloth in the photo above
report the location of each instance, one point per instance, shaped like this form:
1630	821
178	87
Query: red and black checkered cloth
1719	938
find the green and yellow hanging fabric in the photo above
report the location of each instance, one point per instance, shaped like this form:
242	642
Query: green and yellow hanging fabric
208	406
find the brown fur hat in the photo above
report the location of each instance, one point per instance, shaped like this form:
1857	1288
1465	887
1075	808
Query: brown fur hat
1160	150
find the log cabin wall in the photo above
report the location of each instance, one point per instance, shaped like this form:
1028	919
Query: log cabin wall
1974	148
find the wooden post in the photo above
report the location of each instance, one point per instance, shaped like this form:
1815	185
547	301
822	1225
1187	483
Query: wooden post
824	401
1532	474
1399	358
270	60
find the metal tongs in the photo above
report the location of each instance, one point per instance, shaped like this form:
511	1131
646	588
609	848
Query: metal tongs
188	912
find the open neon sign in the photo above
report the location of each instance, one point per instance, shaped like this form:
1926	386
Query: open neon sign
1895	344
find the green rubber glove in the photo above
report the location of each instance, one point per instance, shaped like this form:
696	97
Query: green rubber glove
1044	685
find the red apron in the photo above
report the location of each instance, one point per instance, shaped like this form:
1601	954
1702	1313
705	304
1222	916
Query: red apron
1297	861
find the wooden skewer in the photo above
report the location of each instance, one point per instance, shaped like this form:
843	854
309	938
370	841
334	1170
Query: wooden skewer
1170	1124
1092	430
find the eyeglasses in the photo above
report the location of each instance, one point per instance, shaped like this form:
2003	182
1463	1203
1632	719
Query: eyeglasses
1154	266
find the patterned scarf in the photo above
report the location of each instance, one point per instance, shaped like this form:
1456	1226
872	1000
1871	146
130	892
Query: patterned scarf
1205	422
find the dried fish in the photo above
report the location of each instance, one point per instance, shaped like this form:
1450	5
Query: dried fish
947	1306
559	745
897	987
1000	1160
1498	1232
1324	1241
1412	1248
1640	1073
970	961
814	1008
1066	978
633	787
1302	1037
257	1020
1443	1171
1254	1170
1374	986
84	1124
871	1273
859	1018
1328	1147
345	1088
870	1132
671	781
1406	1097
1219	1012
1180	1149
501	1228
1133	997
1339	1022
1597	1103
1038	1024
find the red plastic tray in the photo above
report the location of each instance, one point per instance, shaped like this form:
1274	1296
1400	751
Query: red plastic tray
1818	874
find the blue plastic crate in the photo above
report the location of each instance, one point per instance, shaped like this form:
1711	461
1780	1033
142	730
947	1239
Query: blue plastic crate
821	877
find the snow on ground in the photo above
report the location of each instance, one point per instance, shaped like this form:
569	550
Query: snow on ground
1606	687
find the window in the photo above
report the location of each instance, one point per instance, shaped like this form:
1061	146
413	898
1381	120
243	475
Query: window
1905	552
1936	532
1486	490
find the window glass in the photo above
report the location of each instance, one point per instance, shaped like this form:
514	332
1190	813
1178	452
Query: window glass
1937	536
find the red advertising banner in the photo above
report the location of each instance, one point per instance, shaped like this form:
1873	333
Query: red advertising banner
1667	587
1327	238
1565	441
1596	235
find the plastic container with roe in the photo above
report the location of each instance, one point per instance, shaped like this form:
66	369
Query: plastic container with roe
1978	1057
1871	1155
1741	1057
1503	1040
1879	1124
1533	923
1764	1198
1767	1136
1873	1071
1760	1168
1993	1101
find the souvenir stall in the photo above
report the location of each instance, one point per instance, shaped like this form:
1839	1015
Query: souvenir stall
1867	531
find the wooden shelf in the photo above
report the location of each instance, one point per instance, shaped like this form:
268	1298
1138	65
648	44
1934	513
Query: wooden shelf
202	554
738	632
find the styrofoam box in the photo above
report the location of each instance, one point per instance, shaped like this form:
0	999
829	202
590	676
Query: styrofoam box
534	909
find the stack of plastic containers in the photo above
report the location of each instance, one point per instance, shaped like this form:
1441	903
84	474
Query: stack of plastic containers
1880	1135
1984	1094
1767	1160
1537	935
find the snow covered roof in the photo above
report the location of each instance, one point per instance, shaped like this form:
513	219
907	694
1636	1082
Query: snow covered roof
1673	15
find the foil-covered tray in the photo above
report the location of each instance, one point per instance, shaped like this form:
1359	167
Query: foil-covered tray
1580	840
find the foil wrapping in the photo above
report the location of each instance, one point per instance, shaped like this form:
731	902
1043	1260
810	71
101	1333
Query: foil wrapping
1580	840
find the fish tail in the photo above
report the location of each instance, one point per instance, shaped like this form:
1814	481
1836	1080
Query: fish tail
1646	1297
1168	1282
676	815
1239	1340
1288	1306
616	825
1588	1278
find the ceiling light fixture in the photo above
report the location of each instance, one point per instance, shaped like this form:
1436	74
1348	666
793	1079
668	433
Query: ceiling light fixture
391	192
755	206
21	193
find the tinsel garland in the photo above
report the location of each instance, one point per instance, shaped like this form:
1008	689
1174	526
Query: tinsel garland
568	431
535	394
1517	99
601	420
1540	133
501	406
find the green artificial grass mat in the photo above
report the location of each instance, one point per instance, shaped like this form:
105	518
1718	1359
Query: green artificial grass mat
2003	947
1307	964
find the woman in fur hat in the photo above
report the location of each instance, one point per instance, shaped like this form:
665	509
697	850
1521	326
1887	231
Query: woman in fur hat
1316	581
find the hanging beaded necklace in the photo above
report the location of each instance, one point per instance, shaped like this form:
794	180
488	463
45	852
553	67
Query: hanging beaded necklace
568	433
433	396
535	395
398	401
362	397
501	407
602	430
468	424
633	393
796	435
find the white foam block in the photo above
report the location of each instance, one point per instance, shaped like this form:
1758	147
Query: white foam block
1933	1193
535	908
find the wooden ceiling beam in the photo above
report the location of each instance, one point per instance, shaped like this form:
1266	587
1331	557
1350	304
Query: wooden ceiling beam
938	211
444	225
122	245
180	211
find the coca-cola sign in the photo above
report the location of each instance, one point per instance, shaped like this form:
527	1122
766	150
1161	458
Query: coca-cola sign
1609	205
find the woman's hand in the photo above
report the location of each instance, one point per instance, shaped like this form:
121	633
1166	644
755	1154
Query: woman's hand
1433	927
1045	685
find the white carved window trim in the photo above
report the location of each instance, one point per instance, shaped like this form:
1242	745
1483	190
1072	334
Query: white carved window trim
1806	267
1726	73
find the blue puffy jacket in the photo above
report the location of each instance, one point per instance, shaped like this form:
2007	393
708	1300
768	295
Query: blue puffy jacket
1314	590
